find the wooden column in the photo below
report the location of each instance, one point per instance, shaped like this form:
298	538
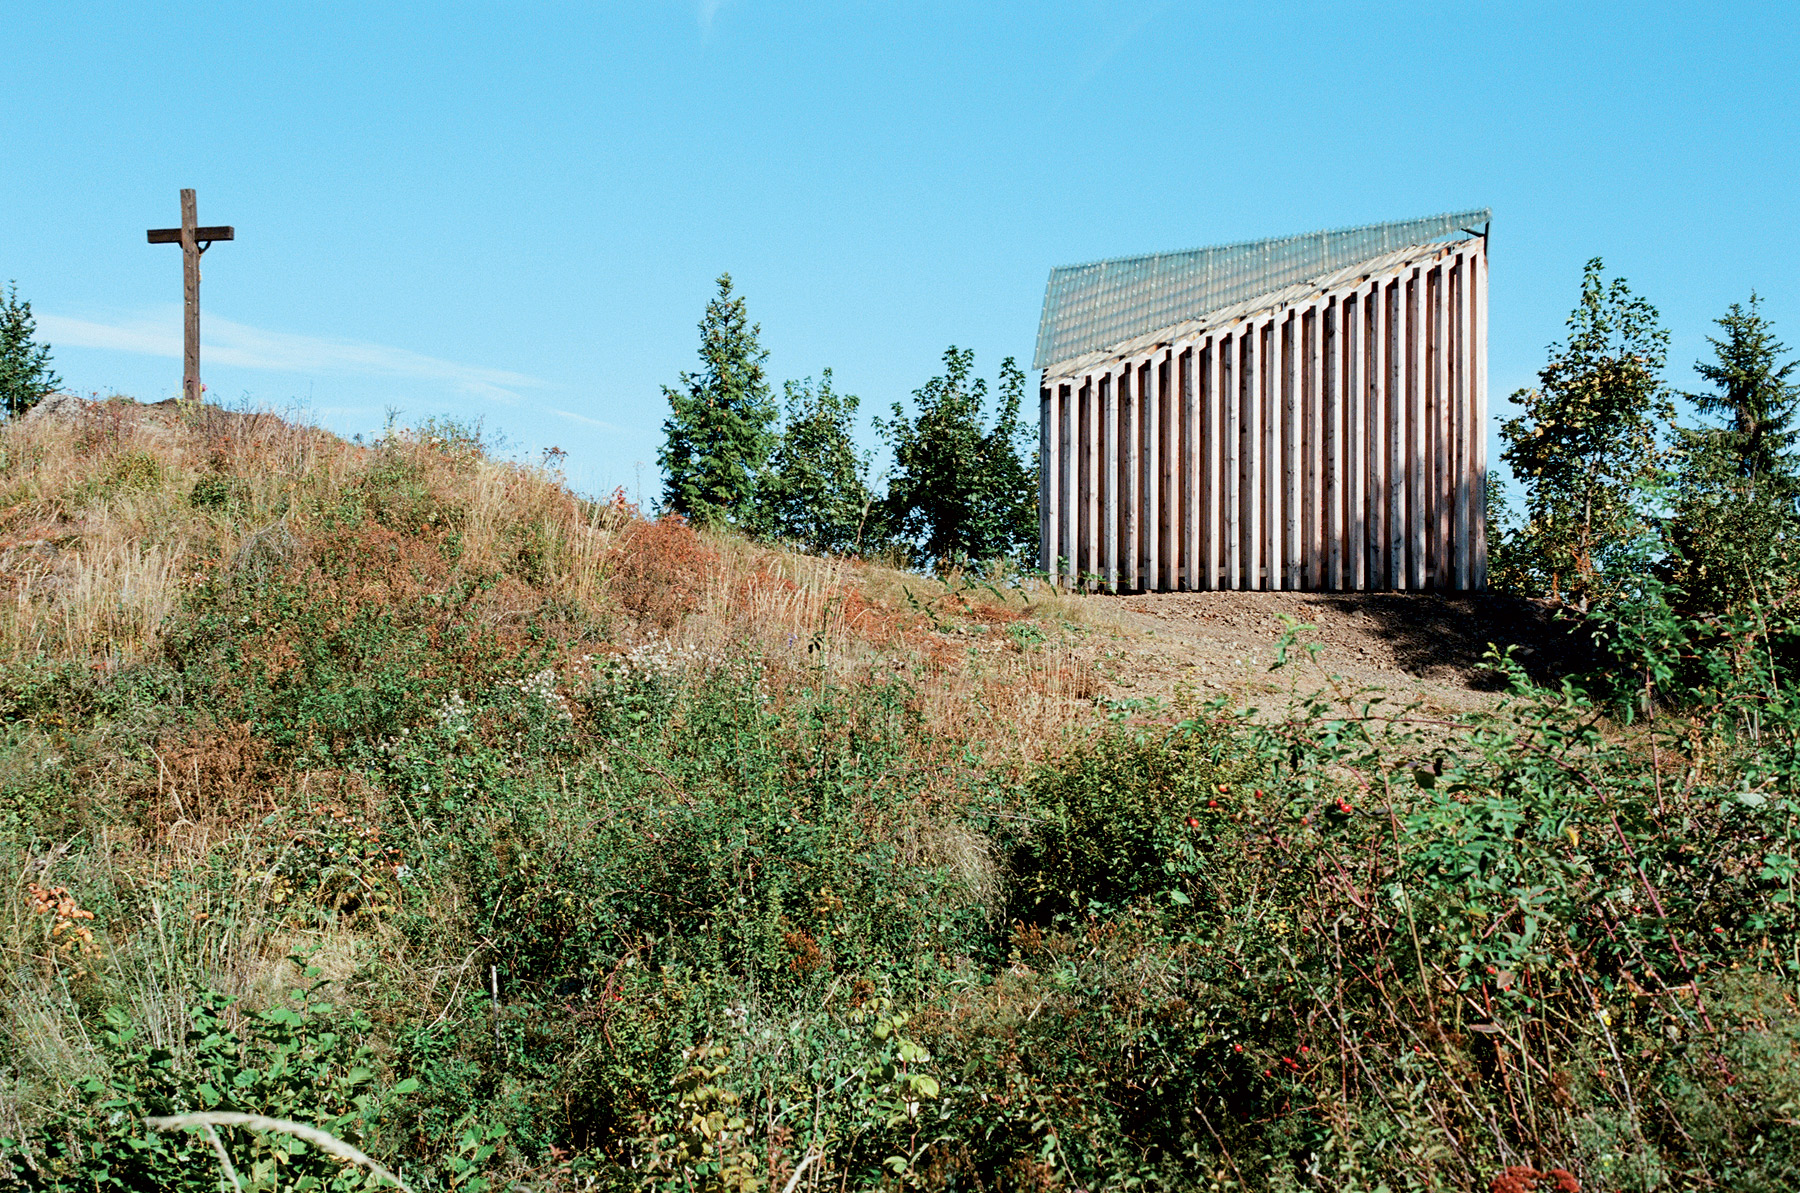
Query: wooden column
1416	506
1168	545
1252	449
1109	483
1052	471
1480	292
1131	486
1232	404
1291	445
1150	376
1356	424
1069	534
1192	569
1440	428
1393	298
1464	421
1317	570
1376	435
1212	530
1274	476
1046	463
1333	490
1089	502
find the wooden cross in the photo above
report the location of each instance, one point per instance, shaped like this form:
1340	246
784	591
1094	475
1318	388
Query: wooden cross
193	241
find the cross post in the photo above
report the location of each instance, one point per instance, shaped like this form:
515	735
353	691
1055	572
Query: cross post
193	240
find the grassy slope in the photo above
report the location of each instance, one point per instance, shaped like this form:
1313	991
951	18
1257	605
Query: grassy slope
633	855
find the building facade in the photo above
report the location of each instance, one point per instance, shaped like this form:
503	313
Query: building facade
1307	412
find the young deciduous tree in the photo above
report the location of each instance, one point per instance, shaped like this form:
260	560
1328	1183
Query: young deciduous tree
1589	447
815	493
25	375
961	489
720	429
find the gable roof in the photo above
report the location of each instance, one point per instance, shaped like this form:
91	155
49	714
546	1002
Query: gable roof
1102	303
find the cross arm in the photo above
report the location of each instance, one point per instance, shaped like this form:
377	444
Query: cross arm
173	235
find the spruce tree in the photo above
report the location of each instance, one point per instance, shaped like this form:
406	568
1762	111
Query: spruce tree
1752	387
815	493
962	490
1734	531
25	375
717	438
1589	448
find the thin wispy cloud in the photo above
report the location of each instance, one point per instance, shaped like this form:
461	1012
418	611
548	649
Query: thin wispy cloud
708	11
241	346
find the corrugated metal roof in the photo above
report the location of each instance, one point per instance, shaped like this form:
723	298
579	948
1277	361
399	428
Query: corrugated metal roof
1092	307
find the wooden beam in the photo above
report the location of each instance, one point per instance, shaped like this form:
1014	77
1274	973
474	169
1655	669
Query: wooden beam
1274	479
1376	435
1192	569
1440	427
173	235
1153	496
1090	480
1109	483
1134	481
1481	415
1464	438
1394	298
1418	509
1233	405
1356	428
1046	465
1253	445
1071	548
1212	530
1334	444
1291	442
1317	570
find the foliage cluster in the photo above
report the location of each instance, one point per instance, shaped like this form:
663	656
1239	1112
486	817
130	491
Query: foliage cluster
960	489
25	373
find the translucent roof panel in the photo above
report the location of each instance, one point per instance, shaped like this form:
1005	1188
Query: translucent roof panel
1093	306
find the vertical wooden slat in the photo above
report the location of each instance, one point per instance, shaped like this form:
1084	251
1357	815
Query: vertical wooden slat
1376	435
1274	477
1078	446
1356	563
1109	483
1089	481
1152	375
1131	430
1231	393
1395	407
1170	546
1252	449
1317	574
1291	443
1213	531
1480	292
1052	480
1046	456
1071	545
1193	570
1464	420
1416	505
1334	446
1440	427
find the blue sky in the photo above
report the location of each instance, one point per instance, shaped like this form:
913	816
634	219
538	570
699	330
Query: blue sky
517	213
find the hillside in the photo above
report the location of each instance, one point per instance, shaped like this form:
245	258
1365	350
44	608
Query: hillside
520	841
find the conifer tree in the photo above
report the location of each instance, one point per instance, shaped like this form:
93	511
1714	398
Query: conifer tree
717	437
1588	448
815	493
1734	530
25	375
1752	388
961	489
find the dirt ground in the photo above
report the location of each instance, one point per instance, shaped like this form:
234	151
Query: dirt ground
1415	645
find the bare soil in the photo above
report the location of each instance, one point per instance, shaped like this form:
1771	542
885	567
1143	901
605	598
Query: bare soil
1427	646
